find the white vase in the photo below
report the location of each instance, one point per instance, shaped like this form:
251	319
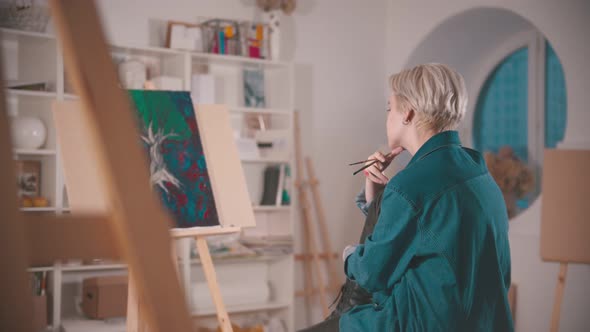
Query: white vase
133	74
273	19
28	132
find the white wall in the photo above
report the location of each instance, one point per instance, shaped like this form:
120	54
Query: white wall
338	46
565	24
340	51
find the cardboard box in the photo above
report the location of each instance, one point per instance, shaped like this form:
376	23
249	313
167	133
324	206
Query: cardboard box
39	312
105	297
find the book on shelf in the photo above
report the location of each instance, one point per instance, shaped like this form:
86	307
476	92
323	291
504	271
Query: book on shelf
271	189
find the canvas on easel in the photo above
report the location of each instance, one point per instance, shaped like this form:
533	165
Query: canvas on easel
199	184
178	167
194	162
565	228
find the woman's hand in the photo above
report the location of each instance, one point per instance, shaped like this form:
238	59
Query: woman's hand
375	178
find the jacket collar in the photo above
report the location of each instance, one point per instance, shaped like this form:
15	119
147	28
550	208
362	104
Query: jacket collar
443	139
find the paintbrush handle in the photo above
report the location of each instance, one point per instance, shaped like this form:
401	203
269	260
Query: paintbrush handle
364	161
361	162
366	166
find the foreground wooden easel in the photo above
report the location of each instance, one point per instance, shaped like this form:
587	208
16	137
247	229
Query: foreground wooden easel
133	230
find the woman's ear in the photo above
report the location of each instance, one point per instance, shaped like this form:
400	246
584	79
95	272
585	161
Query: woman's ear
409	116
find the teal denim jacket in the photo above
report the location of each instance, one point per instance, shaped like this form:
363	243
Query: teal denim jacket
438	258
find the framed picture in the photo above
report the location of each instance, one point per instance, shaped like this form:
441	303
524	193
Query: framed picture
28	178
182	35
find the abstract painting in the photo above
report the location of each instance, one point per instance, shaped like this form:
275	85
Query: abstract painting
178	169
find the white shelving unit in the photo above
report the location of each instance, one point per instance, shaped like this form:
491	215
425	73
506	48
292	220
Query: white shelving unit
37	57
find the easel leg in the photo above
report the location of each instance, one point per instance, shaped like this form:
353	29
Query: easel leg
558	297
136	320
207	262
174	255
315	259
308	285
132	306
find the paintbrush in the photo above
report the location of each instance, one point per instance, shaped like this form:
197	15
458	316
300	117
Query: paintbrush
373	161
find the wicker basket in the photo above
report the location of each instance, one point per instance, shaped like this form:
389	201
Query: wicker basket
23	15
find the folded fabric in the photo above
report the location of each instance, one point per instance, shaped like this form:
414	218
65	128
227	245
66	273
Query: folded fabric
233	294
347	251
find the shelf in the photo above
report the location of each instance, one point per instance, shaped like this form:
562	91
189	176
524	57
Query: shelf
121	266
22	33
259	110
38	209
273	305
160	51
34	152
80	324
265	161
40	269
236	59
146	51
246	259
271	208
28	93
95	267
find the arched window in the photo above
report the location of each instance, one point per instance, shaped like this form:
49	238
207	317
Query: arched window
501	116
522	105
555	99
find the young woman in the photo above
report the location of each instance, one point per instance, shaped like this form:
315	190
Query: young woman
438	258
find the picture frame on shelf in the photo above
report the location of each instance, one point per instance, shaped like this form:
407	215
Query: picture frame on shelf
28	178
254	95
184	35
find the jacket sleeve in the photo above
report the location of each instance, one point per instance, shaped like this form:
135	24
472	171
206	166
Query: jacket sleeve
387	252
361	202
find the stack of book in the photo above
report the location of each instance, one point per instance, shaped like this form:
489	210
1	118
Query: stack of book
269	245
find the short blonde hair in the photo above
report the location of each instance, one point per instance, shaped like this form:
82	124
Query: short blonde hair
435	92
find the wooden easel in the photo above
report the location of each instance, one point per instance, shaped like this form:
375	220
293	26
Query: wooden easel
309	237
564	215
310	246
133	230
